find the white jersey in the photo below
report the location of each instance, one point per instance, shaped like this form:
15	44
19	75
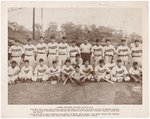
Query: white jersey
132	71
41	70
16	51
97	50
53	48
67	69
86	70
76	75
119	72
85	48
26	70
109	50
29	50
111	65
63	49
136	51
42	48
12	71
123	50
54	70
101	70
73	51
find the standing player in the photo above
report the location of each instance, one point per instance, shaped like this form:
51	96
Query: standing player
13	72
29	52
63	52
41	72
26	73
54	71
52	51
136	53
42	50
135	72
123	52
102	72
119	72
86	51
73	50
109	51
97	52
16	53
87	71
77	61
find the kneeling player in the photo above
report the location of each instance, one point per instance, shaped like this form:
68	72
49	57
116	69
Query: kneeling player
66	71
13	72
41	72
26	73
119	72
87	71
135	72
102	72
54	72
77	76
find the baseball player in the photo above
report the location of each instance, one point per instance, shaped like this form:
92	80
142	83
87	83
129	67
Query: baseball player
42	50
119	72
87	71
54	71
13	72
29	52
77	76
135	72
112	63
109	51
85	49
77	61
16	52
102	72
136	53
63	52
66	71
123	52
73	50
41	72
26	73
97	52
52	51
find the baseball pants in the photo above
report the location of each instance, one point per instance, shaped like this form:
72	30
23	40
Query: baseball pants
120	79
44	77
102	76
62	59
26	76
12	78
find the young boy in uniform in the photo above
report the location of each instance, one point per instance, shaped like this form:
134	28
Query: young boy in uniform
77	61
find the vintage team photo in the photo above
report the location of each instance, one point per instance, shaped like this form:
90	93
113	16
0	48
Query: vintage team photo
75	56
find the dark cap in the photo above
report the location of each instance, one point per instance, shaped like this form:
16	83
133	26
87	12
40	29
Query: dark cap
119	60
107	39
26	61
135	63
13	62
122	40
29	39
41	60
64	37
101	61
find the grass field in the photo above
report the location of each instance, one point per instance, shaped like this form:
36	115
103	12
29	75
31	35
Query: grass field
95	93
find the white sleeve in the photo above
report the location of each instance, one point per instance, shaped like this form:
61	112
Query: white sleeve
130	71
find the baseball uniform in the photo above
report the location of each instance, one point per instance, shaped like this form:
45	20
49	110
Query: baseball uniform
119	73
16	53
72	52
109	51
76	61
13	73
26	73
63	53
42	50
97	53
41	72
101	72
52	52
54	71
123	54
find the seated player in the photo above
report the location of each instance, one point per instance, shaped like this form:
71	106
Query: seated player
102	72
26	73
54	72
66	71
135	72
13	72
111	64
77	61
41	72
119	72
77	76
87	71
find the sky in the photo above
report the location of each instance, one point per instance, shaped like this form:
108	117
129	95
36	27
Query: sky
113	17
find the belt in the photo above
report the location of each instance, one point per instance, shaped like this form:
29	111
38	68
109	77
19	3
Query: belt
41	53
52	53
122	55
72	56
28	55
16	56
108	55
97	55
62	54
136	56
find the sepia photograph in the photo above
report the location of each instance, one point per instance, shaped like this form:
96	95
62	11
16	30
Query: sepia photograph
76	54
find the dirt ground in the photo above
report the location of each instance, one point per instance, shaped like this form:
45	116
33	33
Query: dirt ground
90	93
